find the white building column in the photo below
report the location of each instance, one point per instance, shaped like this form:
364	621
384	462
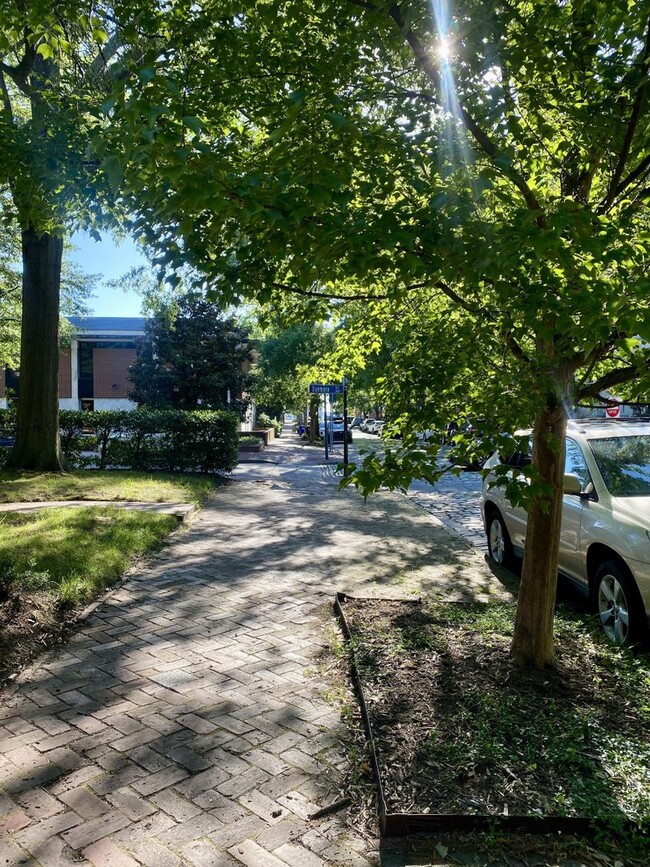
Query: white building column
74	372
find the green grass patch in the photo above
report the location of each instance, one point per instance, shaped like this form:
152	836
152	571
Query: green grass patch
24	487
74	553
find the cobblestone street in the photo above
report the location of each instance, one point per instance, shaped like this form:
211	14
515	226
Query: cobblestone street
456	502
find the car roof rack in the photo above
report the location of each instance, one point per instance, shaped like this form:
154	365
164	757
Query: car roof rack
606	420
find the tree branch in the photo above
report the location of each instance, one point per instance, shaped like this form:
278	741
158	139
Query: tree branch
631	127
104	54
327	296
332	296
6	99
480	136
634	175
613	377
482	312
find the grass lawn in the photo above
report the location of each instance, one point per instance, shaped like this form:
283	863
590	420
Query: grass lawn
75	553
23	487
53	561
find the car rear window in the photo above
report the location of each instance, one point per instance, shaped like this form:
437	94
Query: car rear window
624	464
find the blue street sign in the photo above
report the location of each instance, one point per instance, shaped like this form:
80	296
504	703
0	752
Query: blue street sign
320	388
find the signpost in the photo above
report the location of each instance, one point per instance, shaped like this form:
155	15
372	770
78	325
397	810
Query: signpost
328	389
320	388
613	410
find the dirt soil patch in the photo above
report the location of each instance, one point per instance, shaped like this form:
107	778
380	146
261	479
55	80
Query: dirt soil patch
29	624
458	729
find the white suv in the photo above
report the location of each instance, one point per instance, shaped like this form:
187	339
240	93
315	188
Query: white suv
605	536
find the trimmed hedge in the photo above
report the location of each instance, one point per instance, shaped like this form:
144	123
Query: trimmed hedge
203	441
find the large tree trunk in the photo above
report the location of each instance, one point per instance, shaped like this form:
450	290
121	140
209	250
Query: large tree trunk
37	430
532	643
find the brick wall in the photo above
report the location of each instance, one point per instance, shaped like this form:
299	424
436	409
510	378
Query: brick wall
65	373
111	367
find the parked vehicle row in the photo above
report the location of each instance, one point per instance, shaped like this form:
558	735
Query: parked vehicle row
605	534
373	425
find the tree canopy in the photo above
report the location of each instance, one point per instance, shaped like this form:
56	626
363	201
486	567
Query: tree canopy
284	357
476	173
192	356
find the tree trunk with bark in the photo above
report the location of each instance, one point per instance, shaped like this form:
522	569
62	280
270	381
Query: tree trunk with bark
313	419
37	426
532	642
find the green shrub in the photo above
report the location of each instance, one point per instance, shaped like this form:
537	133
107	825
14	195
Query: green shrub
203	441
264	420
250	441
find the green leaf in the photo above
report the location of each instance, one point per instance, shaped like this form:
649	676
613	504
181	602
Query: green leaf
112	166
193	123
45	50
146	74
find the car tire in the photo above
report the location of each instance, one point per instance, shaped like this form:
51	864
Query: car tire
498	539
618	604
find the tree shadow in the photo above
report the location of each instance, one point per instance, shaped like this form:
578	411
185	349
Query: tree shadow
202	656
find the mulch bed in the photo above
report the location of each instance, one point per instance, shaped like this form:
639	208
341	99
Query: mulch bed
459	730
29	624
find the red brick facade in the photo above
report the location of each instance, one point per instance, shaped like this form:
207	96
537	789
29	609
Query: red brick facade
111	372
65	373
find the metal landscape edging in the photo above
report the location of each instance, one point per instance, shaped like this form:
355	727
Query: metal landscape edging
404	824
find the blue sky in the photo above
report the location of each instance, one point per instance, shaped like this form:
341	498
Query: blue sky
109	259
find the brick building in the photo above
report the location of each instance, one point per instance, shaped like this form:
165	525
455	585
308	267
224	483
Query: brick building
94	369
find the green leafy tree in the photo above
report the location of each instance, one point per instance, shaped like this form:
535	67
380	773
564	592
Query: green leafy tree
485	165
193	357
282	375
53	61
62	66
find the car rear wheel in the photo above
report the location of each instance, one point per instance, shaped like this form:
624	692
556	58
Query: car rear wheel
498	539
619	604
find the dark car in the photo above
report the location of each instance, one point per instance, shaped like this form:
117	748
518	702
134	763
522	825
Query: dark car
468	449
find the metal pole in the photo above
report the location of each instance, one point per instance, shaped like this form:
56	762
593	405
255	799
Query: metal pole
325	425
345	427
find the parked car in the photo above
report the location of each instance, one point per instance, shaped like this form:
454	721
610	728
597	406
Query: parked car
376	426
357	421
337	426
605	535
473	452
367	423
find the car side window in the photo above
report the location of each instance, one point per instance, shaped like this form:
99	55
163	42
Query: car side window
518	459
575	463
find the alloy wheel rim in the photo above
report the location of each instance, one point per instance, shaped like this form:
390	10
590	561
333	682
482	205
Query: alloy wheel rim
613	609
497	541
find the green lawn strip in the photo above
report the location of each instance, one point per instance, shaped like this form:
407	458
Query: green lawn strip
24	487
459	729
74	553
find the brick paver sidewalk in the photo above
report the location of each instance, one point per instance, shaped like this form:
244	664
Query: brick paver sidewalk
184	723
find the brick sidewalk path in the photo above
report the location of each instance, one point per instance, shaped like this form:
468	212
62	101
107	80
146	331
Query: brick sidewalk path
185	723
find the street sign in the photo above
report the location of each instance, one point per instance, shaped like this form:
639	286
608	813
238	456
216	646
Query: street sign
613	410
321	388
